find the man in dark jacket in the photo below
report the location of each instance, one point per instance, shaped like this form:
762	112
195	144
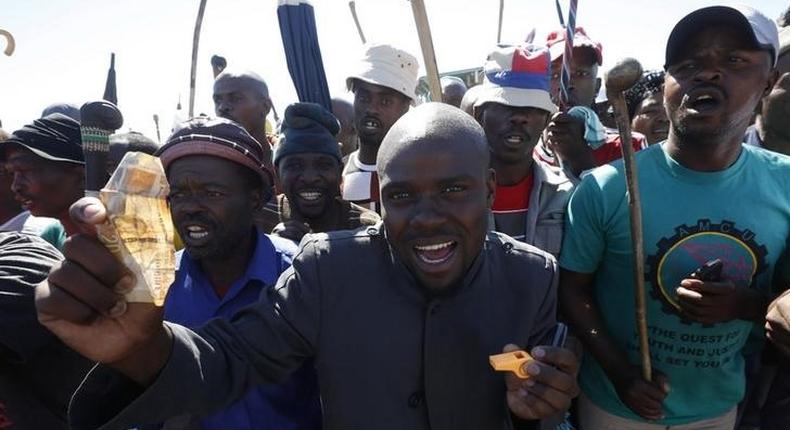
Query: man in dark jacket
401	318
38	373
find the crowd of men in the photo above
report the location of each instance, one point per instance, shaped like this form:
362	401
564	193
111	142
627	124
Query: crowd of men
356	266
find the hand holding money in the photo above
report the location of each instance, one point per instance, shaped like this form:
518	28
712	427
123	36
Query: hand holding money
83	303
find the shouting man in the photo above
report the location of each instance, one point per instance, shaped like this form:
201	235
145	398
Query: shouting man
217	181
400	317
707	197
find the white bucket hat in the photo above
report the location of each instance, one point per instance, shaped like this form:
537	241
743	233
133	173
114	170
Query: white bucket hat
389	67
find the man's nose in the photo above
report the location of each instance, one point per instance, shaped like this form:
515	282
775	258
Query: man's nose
223	108
427	215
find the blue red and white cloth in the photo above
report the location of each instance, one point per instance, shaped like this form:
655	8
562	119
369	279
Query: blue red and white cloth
517	76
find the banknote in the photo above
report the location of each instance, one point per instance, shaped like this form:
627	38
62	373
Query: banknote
139	230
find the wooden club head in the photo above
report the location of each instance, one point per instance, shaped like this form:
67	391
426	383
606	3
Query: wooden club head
623	75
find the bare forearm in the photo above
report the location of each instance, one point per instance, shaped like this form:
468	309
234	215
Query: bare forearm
581	312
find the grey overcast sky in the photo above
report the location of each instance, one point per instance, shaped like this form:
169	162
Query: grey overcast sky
63	46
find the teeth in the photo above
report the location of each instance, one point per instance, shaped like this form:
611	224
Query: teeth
371	124
514	139
196	232
434	247
704	97
195	235
310	195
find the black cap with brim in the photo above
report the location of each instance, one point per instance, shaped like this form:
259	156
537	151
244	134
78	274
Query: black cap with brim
706	17
55	137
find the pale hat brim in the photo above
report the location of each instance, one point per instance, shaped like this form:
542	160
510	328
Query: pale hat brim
518	97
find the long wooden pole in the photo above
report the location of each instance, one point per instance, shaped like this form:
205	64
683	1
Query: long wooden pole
499	28
193	70
621	77
10	42
352	6
428	54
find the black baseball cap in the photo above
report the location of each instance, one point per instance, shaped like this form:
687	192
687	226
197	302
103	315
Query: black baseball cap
761	30
54	137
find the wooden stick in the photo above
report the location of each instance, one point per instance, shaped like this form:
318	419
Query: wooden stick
428	54
559	13
156	123
621	77
10	42
353	7
193	70
499	30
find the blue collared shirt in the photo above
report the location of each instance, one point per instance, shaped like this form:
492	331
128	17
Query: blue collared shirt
192	301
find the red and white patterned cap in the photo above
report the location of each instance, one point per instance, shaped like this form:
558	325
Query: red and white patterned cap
556	43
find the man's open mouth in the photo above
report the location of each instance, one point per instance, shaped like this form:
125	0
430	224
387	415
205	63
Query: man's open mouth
371	124
704	100
515	140
436	254
310	195
196	234
24	201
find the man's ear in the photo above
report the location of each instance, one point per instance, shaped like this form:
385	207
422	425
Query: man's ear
259	197
266	103
477	113
769	86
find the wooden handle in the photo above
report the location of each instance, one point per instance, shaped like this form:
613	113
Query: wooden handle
635	211
193	69
499	30
10	42
353	7
428	54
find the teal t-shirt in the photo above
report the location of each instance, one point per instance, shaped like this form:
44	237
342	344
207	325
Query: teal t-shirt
740	215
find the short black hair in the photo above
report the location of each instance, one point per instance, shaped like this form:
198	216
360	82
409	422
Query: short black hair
784	19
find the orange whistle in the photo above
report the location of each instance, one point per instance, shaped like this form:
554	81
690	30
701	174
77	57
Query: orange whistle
511	362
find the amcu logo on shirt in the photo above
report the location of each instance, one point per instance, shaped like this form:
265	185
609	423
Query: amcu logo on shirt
692	246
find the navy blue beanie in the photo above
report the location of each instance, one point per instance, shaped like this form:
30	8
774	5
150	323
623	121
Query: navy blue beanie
308	127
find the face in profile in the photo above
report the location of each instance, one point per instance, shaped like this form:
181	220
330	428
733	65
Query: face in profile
44	187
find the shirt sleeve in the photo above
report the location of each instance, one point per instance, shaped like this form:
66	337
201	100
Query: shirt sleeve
215	365
546	316
583	242
25	261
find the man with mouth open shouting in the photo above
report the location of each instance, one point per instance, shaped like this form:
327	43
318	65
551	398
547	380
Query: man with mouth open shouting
513	106
705	197
383	84
217	180
400	317
309	164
